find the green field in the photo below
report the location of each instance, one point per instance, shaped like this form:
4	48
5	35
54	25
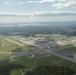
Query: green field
28	45
6	46
70	49
4	55
33	62
30	63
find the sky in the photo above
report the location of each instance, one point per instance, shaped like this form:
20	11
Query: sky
15	11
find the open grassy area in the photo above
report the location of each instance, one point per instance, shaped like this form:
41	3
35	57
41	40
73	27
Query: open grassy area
12	69
8	46
33	62
70	49
4	55
74	42
28	45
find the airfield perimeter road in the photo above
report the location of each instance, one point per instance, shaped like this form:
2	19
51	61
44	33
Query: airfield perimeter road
25	53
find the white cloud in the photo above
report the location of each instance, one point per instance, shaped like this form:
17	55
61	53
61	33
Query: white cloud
6	14
33	1
54	13
30	1
37	16
53	0
22	2
68	4
42	1
58	3
7	2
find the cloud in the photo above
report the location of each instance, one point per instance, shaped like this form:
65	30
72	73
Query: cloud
37	16
22	2
42	1
7	2
57	3
53	1
68	4
54	13
6	14
33	1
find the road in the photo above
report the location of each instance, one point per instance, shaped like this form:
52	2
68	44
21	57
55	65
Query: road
62	48
12	41
41	49
6	52
58	55
66	53
12	57
67	58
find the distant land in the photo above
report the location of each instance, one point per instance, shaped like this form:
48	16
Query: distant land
64	23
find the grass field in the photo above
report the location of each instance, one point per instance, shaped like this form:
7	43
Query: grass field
6	46
4	55
70	49
33	62
28	45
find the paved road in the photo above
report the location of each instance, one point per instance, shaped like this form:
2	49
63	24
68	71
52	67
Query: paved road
67	58
4	52
17	43
62	48
19	54
56	54
64	57
41	49
12	57
66	53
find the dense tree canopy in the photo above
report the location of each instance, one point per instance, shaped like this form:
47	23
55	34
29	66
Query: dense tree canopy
50	70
